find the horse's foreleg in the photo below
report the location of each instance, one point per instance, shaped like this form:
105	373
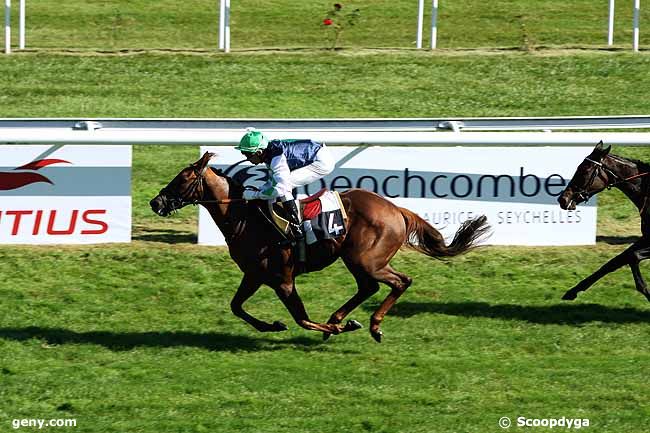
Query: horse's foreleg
291	300
398	283
247	288
624	258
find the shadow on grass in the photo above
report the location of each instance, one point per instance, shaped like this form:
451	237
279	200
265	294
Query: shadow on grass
124	341
167	236
617	240
564	314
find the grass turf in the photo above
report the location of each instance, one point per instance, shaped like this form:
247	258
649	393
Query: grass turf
140	338
330	85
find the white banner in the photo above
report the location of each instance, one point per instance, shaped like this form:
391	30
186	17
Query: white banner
516	188
65	194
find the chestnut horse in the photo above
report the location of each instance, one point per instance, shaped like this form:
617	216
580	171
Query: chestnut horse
376	230
600	170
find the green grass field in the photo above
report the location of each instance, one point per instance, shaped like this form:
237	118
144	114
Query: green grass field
139	337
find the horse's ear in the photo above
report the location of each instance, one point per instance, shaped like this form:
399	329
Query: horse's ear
601	149
202	163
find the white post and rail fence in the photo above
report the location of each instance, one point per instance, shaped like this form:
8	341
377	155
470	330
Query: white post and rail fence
224	25
514	131
69	181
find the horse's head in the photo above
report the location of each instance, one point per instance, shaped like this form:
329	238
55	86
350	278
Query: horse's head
186	188
590	178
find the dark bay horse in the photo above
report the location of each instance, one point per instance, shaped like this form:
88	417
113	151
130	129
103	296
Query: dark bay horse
377	229
598	171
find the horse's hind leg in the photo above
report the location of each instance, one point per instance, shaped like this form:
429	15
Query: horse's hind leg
624	258
291	300
398	283
639	282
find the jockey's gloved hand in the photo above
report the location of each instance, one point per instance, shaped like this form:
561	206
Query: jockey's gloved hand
251	195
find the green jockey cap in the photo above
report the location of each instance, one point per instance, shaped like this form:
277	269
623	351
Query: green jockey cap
252	141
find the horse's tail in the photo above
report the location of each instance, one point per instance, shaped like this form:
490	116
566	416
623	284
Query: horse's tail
423	237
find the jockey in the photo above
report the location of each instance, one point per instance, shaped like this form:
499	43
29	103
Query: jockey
291	163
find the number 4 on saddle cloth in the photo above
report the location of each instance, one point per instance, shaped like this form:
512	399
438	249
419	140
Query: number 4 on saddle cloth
323	216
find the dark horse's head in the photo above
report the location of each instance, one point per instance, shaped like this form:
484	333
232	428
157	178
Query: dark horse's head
186	188
590	178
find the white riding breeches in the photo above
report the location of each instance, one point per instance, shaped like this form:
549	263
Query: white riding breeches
283	181
322	166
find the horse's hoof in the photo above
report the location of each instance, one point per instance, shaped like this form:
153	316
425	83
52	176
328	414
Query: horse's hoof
377	335
326	336
279	326
569	296
352	325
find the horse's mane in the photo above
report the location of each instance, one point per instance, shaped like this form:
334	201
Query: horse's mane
232	183
642	166
219	172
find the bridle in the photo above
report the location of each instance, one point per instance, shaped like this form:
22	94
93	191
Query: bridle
178	201
584	194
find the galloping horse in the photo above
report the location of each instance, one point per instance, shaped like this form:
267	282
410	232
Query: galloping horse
376	230
598	171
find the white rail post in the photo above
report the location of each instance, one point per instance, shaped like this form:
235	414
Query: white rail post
434	24
635	41
7	26
610	24
418	40
21	28
226	47
222	23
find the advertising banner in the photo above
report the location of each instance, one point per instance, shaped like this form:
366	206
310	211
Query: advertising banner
515	187
65	194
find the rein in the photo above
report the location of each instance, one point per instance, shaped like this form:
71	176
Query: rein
224	201
627	179
618	182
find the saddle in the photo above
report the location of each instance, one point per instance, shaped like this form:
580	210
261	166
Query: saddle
322	213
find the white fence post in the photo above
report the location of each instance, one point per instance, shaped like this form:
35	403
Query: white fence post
222	23
418	40
635	40
610	24
7	26
434	24
21	28
226	47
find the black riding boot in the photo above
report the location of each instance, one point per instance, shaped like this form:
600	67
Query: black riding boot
296	229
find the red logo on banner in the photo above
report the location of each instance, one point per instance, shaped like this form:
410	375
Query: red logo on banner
9	181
